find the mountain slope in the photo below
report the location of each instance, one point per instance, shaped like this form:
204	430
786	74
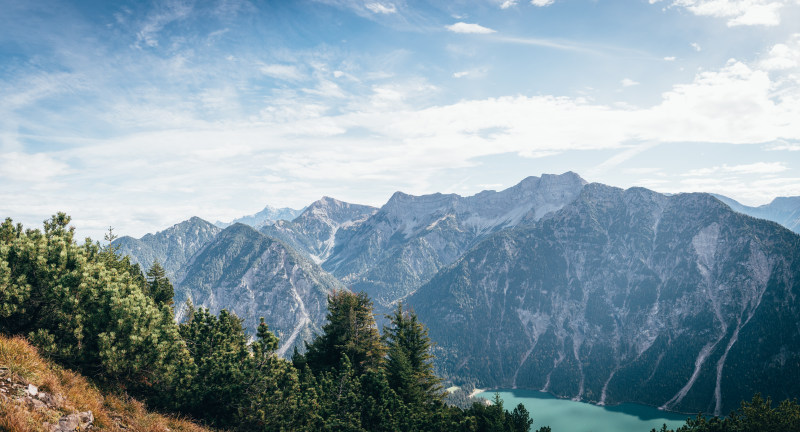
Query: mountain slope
254	276
37	395
266	216
410	238
783	210
313	232
676	302
172	247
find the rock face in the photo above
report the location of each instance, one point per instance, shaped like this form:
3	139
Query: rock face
783	210
254	276
172	247
676	302
313	232
410	238
265	217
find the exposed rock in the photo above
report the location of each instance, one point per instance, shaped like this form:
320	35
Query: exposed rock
254	276
35	403
626	296
313	232
51	400
172	247
410	238
74	423
267	216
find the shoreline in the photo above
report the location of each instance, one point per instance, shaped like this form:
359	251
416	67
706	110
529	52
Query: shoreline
478	391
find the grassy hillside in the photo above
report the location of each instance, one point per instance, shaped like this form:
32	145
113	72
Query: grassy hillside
66	392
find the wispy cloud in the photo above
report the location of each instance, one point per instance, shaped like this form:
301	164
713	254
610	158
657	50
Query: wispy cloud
753	168
282	71
542	3
170	11
380	8
462	27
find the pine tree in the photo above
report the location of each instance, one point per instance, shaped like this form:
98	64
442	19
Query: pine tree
160	288
409	368
224	366
350	331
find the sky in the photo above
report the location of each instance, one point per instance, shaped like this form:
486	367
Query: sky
141	114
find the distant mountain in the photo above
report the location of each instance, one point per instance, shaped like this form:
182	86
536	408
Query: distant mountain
410	238
676	302
172	247
254	276
314	230
783	210
267	216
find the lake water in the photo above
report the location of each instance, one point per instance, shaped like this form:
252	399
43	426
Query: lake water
564	415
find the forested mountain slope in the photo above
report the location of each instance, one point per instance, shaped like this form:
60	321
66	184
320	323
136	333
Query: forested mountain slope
676	302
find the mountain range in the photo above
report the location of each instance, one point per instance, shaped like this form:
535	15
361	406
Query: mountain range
584	290
783	210
677	302
265	217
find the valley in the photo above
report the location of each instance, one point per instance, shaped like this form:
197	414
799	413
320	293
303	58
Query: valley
585	291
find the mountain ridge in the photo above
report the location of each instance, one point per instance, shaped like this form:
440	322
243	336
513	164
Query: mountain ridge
605	291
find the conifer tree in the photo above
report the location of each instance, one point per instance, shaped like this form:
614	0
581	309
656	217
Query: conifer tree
160	288
409	369
350	331
219	348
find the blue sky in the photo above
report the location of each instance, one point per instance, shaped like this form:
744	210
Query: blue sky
141	114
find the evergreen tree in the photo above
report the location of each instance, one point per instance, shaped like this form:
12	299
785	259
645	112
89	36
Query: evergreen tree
272	388
219	348
159	287
341	389
350	331
409	368
87	309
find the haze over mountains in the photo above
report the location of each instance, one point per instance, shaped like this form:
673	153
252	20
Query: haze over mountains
583	290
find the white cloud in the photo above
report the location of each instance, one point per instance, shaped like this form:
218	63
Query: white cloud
627	82
462	27
753	168
696	46
34	168
670	58
282	71
782	57
380	8
737	12
508	3
471	73
541	3
168	12
784	146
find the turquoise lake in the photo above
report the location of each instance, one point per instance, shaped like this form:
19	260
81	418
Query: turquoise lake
564	415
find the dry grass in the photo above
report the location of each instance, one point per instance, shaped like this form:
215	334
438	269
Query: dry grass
111	413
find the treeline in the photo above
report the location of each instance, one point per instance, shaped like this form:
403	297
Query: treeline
95	312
